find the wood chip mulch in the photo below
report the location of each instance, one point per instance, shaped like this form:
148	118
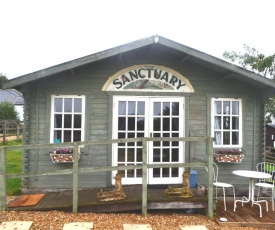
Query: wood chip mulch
158	220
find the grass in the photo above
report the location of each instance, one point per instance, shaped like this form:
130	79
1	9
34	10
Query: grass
14	165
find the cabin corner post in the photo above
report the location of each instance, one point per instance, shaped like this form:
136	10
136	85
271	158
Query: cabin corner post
210	176
3	180
144	177
75	178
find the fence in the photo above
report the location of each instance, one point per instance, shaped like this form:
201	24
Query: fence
76	170
10	128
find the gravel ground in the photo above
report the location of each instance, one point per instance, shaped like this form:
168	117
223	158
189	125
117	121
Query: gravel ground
168	220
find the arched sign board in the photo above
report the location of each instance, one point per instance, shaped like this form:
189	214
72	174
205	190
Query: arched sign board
148	78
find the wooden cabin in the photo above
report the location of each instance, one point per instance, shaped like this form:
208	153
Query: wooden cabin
153	87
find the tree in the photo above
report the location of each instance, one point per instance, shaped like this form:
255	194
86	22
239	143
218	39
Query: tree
7	111
254	61
3	79
257	62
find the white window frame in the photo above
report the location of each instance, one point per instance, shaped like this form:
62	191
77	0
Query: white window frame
240	129
82	129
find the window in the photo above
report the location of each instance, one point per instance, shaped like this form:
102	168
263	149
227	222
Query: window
67	123
226	122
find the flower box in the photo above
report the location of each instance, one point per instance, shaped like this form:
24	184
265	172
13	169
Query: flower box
63	155
229	156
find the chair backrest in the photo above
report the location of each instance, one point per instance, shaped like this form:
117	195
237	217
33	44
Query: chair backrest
215	172
269	168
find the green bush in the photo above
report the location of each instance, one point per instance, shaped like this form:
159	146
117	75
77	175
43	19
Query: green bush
7	111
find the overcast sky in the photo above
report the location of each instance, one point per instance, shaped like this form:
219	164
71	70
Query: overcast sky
37	34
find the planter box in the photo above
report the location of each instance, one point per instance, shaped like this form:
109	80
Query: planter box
227	158
63	155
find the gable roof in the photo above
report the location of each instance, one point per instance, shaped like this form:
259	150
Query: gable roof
226	69
12	96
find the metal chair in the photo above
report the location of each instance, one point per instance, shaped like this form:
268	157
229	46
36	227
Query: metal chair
268	183
222	185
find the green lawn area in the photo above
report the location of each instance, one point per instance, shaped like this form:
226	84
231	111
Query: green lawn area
14	165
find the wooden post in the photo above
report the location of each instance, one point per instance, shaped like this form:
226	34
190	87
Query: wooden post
75	178
17	131
4	132
144	177
3	180
210	176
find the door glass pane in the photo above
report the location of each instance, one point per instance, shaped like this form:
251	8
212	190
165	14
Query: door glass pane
68	106
156	155
156	172
131	107
157	125
166	108
139	154
141	108
122	108
140	123
121	155
165	172
235	138
175	108
165	155
157	108
122	123
166	124
175	155
175	172
57	136
131	123
175	124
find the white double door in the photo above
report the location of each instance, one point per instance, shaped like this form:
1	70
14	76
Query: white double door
135	117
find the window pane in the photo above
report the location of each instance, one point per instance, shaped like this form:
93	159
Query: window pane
235	123
78	105
235	138
156	124
218	138
68	105
217	107
58	121
139	155
156	155
67	121
67	136
57	136
226	122
175	172
77	121
131	155
235	108
226	107
217	124
77	135
58	104
226	138
156	172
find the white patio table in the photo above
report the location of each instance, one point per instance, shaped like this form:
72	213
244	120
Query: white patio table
251	175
